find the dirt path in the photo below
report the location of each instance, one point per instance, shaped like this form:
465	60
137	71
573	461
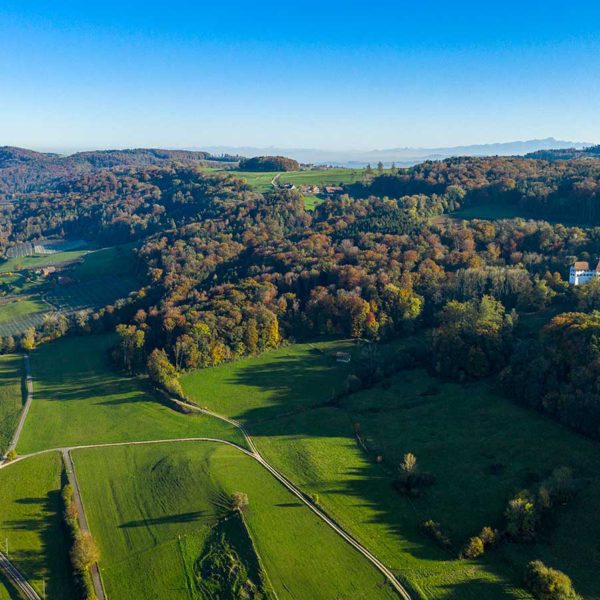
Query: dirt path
298	493
253	453
17	579
83	523
25	411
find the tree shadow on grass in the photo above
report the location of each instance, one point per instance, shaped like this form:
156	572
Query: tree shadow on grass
299	392
44	516
188	517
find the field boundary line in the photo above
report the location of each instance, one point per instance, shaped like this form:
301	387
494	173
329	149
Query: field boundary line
256	455
389	575
17	578
83	522
29	387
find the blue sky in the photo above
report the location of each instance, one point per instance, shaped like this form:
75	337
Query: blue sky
334	75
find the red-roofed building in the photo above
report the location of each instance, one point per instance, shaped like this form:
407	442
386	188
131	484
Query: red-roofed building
580	272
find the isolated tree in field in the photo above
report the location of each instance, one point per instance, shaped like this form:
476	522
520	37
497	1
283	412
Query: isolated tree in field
522	518
84	552
408	466
380	167
28	340
546	583
473	548
239	501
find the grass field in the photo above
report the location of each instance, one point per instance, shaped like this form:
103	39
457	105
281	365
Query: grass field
79	399
154	511
285	380
38	261
311	202
261	182
111	261
444	425
17	308
31	519
11	397
322	177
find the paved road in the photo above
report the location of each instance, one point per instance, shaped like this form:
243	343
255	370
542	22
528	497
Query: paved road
29	384
18	580
83	523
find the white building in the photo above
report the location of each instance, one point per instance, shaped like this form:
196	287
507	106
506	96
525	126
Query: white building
581	273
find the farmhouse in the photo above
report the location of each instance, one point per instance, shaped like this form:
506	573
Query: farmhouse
580	272
333	190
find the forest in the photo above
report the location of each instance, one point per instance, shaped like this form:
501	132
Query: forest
228	272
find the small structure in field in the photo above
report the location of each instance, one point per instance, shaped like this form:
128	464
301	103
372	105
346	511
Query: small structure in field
45	271
332	190
580	272
343	357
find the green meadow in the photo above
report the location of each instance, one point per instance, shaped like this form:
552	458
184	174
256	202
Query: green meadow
11	397
21	307
31	521
79	399
110	261
320	177
333	450
40	260
289	379
261	182
160	515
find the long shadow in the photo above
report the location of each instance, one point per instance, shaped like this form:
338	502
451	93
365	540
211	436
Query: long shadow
53	556
301	404
188	517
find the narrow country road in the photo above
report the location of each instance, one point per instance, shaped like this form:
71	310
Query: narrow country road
17	579
298	493
83	523
25	411
253	452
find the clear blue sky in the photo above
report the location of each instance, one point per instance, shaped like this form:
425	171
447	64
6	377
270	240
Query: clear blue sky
343	75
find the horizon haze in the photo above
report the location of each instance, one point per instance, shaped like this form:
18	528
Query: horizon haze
330	77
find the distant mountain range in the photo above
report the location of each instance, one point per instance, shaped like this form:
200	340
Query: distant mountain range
23	170
400	156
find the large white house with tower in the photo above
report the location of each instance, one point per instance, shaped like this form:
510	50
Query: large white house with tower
581	273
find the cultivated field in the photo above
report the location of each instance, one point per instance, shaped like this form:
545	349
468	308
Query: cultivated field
158	513
444	425
79	399
11	397
15	309
90	294
17	326
31	520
